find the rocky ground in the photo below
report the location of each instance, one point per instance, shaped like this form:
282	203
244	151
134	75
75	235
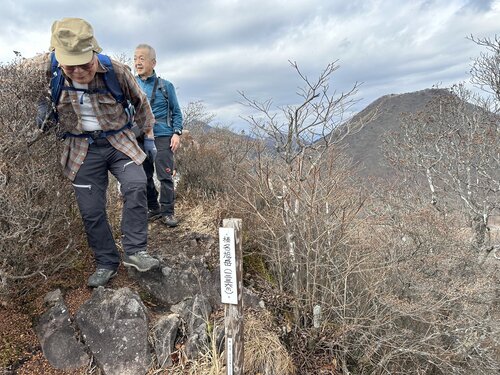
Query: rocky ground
20	351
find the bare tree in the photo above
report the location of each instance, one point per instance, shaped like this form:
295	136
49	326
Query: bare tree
485	72
210	156
297	185
195	115
449	153
392	298
454	143
297	128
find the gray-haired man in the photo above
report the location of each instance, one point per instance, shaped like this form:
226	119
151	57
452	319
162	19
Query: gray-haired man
167	130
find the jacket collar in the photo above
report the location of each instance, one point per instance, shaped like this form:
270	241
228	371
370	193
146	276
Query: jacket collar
151	78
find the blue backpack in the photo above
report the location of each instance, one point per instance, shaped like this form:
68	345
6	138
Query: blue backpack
112	86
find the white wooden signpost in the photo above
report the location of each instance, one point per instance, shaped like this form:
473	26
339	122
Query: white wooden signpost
231	281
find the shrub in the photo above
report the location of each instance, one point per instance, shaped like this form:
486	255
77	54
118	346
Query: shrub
40	225
209	161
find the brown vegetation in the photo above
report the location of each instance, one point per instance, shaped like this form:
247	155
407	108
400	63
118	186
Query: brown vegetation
37	210
356	281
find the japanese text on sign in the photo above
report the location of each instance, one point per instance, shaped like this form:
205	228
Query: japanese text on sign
229	356
228	282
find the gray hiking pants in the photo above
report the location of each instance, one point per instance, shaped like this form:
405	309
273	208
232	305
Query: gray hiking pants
90	186
164	166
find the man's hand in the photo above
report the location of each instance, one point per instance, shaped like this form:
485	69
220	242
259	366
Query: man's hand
150	148
175	142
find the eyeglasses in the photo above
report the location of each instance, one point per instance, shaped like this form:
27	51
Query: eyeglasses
72	68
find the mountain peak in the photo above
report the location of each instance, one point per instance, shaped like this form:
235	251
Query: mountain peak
384	114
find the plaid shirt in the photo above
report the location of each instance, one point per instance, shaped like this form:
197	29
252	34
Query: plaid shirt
109	114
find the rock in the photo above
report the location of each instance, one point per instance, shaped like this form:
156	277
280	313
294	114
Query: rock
115	328
58	337
183	308
54	297
164	333
172	284
252	300
195	312
197	327
220	338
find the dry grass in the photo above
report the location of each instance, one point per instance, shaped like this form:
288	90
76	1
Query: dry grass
203	217
264	352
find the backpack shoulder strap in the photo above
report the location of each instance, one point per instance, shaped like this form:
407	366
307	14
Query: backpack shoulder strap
111	81
57	80
153	92
115	89
163	89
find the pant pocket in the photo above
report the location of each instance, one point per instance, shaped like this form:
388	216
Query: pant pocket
83	188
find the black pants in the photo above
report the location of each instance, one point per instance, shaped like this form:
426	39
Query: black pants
90	186
164	166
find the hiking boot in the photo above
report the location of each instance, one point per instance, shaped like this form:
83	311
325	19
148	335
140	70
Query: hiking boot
141	261
169	221
100	277
154	214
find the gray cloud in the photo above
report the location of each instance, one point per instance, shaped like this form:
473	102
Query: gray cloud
212	49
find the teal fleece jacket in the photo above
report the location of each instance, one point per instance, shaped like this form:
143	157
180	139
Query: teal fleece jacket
168	114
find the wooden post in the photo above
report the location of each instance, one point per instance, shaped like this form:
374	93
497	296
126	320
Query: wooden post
231	292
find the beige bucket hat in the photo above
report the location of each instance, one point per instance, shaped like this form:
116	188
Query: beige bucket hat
73	41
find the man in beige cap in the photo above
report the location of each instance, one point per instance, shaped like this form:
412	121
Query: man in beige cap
98	139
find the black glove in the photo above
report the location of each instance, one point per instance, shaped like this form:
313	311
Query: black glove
44	114
150	148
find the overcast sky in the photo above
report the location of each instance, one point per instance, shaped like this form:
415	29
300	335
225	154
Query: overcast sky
212	49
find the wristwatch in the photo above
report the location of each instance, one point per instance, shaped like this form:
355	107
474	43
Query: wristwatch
178	131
